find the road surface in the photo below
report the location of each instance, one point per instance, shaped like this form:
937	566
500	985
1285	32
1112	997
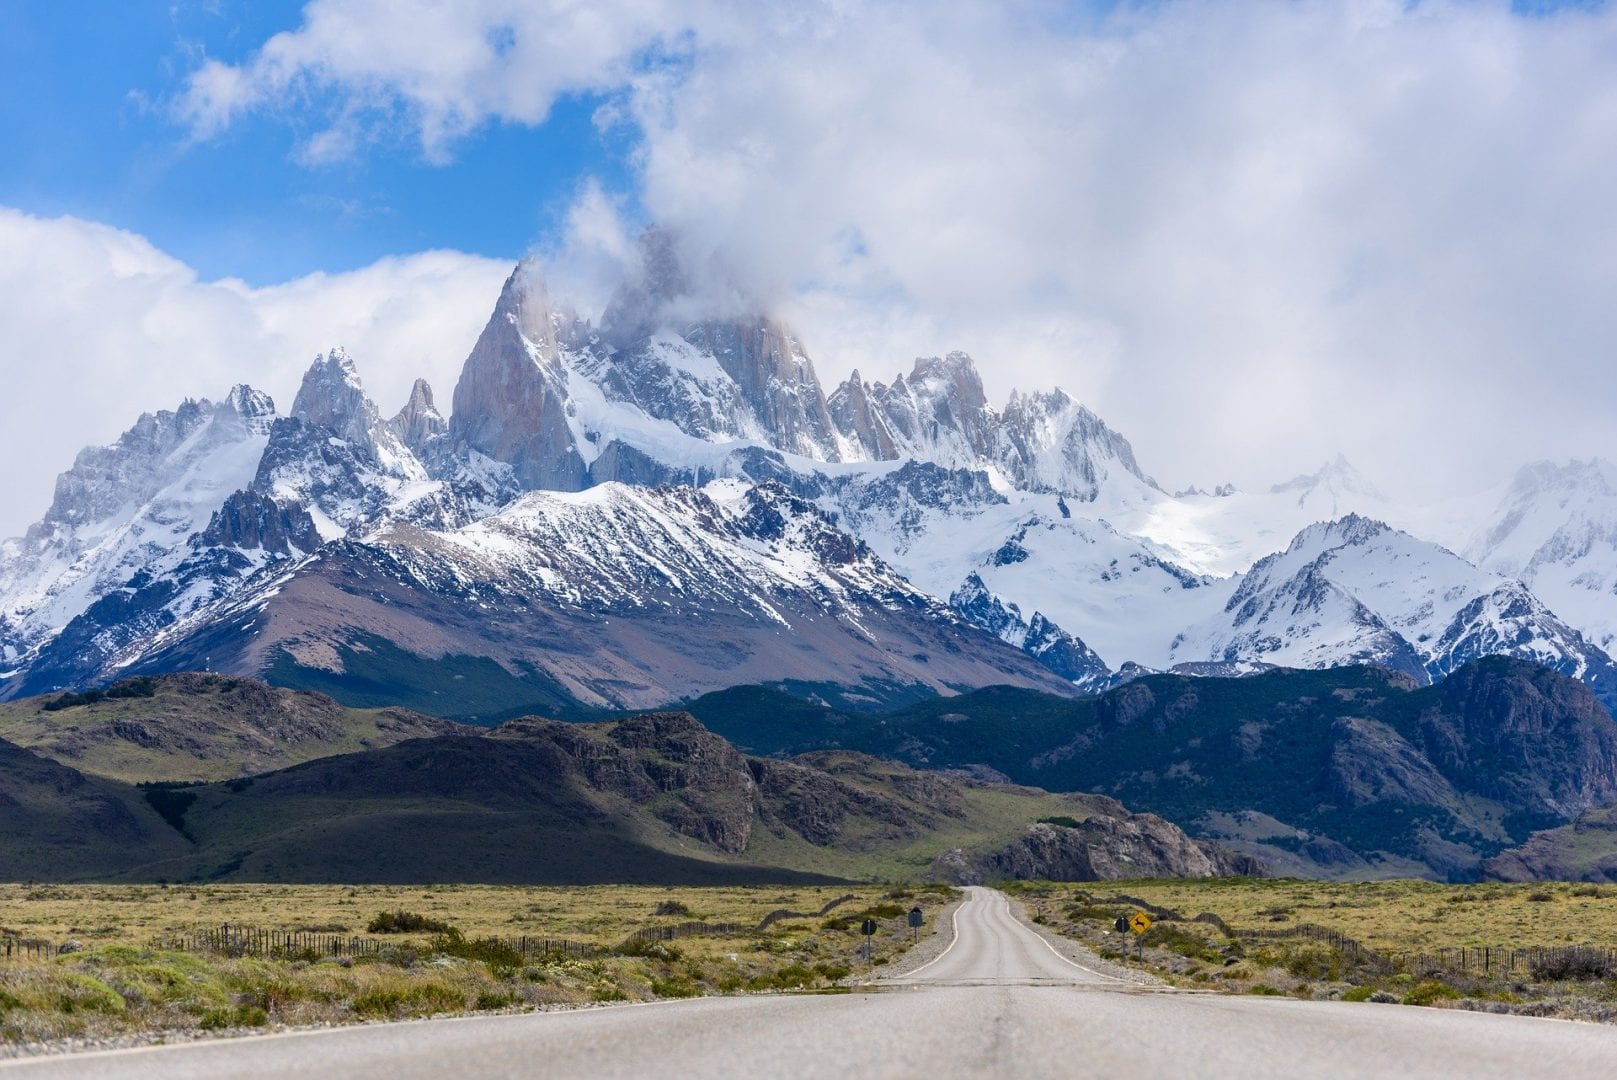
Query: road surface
998	1002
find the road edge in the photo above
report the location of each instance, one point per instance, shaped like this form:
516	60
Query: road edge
1079	954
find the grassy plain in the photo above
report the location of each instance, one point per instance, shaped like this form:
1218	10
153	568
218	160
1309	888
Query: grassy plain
1562	935
1394	916
595	914
119	980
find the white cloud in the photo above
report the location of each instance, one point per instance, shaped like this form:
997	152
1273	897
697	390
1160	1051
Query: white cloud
444	69
1249	232
100	326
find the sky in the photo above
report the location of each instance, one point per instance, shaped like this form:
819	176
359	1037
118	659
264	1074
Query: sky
1251	234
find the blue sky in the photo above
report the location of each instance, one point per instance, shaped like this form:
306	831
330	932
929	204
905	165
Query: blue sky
86	111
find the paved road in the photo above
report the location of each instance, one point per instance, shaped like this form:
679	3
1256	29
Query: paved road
999	1002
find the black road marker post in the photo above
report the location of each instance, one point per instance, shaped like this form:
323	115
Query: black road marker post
868	928
916	919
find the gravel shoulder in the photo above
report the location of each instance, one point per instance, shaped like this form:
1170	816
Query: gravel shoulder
1078	954
923	952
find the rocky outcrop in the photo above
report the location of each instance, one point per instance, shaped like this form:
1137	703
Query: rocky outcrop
419	425
511	401
939	412
1100	848
1524	735
1585	850
250	520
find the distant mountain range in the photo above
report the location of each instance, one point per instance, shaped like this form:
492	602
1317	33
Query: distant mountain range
1503	769
1355	772
653	798
658	505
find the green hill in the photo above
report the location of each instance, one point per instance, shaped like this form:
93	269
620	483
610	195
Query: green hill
200	727
1349	772
647	799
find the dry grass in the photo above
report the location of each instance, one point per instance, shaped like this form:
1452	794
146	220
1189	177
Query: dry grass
120	982
1408	921
600	915
1394	916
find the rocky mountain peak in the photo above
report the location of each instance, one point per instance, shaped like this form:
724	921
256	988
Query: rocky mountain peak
419	422
1575	477
331	397
953	377
256	408
1335	488
1347	530
510	404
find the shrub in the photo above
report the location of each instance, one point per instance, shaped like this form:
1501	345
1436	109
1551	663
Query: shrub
674	988
1575	964
1265	990
419	997
1359	993
1063	820
1175	939
236	1016
398	955
790	977
406	922
672	907
142	686
81	993
489	999
650	950
1540	896
501	957
1431	991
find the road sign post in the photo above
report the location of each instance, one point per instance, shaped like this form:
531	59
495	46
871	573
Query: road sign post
1139	923
916	919
868	928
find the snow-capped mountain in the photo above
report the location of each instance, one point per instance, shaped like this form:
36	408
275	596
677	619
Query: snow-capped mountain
1227	530
1555	529
1043	442
597	485
125	509
1357	591
615	597
1038	637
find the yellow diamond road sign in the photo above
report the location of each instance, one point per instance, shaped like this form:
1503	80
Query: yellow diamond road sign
1139	922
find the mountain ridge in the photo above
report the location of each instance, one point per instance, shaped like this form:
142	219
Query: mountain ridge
1035	507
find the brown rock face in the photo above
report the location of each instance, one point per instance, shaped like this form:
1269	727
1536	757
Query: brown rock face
1524	735
251	520
418	424
777	381
511	400
689	778
1103	848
